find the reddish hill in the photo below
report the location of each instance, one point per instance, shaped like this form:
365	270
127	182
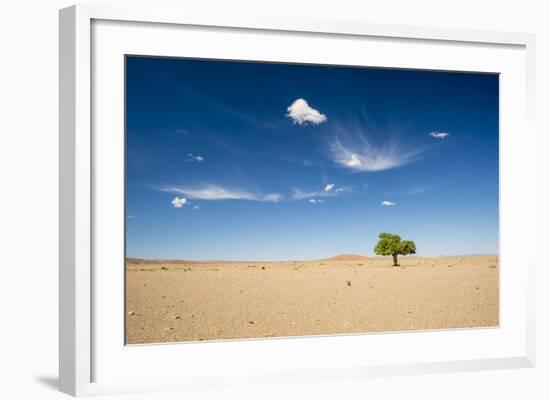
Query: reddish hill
346	257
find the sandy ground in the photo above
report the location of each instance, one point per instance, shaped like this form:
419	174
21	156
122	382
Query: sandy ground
191	301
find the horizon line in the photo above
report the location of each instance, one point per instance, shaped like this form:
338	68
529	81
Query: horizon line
230	260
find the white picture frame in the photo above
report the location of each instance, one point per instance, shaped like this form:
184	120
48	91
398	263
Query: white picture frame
81	342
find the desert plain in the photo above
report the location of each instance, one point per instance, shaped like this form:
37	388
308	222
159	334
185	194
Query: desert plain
178	300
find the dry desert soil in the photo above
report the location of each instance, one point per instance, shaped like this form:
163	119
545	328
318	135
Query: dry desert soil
172	301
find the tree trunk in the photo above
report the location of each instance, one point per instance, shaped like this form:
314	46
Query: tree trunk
395	259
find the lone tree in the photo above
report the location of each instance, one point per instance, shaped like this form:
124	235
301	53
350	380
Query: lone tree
392	244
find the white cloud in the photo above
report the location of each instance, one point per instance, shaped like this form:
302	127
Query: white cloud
312	200
388	203
363	156
196	207
194	158
439	135
270	198
301	113
299	194
214	192
179	202
130	216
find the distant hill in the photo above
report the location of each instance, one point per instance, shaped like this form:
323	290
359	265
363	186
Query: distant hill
346	257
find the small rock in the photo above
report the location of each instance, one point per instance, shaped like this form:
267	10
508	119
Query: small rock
349	283
251	322
131	313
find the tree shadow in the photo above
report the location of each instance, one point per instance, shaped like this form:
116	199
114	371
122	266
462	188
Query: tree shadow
52	382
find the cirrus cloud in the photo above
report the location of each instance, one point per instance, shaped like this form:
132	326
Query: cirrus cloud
360	155
324	193
388	203
215	192
302	113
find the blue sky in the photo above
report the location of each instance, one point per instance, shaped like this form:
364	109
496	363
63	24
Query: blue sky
257	161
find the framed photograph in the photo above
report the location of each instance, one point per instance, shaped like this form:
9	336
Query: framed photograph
277	200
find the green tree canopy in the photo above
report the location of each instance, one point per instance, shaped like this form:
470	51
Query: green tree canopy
392	244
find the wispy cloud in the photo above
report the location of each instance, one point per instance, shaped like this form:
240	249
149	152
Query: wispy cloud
196	207
439	135
313	200
388	203
302	113
357	153
324	193
178	202
300	194
215	192
329	187
194	158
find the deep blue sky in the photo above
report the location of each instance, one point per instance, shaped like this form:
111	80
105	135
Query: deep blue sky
255	161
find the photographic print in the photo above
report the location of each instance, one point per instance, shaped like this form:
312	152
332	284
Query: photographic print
279	200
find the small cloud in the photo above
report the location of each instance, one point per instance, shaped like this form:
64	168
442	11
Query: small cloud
439	135
339	190
329	187
196	207
179	202
194	158
388	203
301	113
130	216
182	131
316	200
